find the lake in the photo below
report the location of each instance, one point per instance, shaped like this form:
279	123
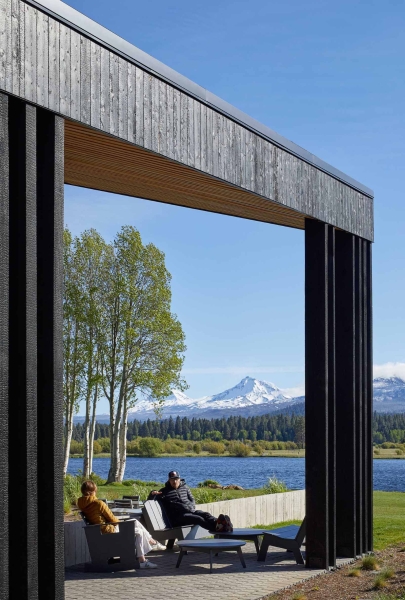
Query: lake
250	472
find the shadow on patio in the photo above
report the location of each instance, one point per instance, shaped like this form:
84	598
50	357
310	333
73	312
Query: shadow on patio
193	579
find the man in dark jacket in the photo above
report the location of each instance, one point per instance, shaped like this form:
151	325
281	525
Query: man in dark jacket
179	504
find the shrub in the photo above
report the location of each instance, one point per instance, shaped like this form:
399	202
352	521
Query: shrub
299	596
207	483
206	495
354	573
71	491
105	444
214	447
150	447
399	452
377	451
197	448
258	448
76	447
97	479
238	449
275	486
369	563
173	447
133	447
97	449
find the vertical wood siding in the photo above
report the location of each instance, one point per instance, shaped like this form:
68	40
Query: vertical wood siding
47	63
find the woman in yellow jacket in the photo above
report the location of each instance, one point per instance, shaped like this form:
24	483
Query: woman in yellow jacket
98	513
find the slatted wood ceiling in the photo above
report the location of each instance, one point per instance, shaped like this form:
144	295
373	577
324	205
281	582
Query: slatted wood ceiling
99	161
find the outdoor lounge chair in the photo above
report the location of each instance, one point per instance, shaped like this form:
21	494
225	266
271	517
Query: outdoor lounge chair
291	538
160	528
111	551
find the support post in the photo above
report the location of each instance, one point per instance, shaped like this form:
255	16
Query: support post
320	394
346	413
31	361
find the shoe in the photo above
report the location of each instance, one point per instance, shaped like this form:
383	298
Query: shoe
148	565
220	526
228	524
158	547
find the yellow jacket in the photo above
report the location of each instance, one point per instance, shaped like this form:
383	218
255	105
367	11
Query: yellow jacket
97	512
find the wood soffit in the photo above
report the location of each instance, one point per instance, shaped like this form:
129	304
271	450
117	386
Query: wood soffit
99	161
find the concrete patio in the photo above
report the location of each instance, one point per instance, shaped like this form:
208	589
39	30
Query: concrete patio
229	581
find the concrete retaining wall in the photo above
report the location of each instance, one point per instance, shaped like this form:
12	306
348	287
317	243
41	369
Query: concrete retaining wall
260	510
244	512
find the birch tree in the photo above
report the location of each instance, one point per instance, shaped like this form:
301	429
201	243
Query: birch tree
142	343
90	252
74	360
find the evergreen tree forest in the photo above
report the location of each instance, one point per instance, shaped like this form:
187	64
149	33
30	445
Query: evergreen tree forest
280	428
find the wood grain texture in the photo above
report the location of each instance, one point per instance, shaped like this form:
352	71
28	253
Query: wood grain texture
99	161
93	85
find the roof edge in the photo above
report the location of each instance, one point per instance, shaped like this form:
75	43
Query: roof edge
78	21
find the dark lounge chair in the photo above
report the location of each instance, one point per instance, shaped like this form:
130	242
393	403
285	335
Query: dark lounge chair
160	528
290	538
111	551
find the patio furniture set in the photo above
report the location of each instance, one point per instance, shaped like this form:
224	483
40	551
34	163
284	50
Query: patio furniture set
116	552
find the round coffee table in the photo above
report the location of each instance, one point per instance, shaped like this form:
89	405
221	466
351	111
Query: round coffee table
241	534
211	547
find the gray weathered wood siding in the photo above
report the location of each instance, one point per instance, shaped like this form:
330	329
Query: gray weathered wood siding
52	65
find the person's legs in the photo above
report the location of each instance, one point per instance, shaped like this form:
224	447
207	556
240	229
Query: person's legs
142	544
198	517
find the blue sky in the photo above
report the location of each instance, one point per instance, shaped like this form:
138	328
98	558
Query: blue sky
330	77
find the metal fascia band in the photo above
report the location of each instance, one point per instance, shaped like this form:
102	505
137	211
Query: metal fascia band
70	16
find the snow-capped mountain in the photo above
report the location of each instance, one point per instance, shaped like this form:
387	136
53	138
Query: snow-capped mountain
254	397
389	394
249	397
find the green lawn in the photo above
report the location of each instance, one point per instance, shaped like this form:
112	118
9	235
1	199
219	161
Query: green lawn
389	519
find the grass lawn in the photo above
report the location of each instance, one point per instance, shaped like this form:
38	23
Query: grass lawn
389	519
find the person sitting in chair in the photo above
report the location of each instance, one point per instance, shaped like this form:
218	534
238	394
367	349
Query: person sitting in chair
97	512
179	504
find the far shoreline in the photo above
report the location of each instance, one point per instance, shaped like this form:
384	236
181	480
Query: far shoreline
281	455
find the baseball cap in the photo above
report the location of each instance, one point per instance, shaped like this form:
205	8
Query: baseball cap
174	474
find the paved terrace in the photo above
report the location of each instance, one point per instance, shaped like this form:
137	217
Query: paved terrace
229	581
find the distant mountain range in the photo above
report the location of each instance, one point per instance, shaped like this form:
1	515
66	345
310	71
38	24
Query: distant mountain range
254	397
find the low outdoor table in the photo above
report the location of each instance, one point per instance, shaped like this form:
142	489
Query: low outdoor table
241	534
210	547
133	512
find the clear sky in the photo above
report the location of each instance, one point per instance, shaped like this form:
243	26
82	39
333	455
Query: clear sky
330	77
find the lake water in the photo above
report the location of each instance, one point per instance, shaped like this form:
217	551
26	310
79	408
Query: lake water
253	472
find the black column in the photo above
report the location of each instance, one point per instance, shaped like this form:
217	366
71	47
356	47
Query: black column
346	409
31	222
319	394
50	143
368	387
338	403
4	342
22	379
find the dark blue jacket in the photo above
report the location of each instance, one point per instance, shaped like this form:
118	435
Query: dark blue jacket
177	502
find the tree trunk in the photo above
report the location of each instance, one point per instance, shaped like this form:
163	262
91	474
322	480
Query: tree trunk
92	427
68	437
123	441
114	473
86	441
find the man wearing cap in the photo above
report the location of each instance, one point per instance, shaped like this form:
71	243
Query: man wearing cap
179	504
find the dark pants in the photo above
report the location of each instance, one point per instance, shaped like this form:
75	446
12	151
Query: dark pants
198	517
